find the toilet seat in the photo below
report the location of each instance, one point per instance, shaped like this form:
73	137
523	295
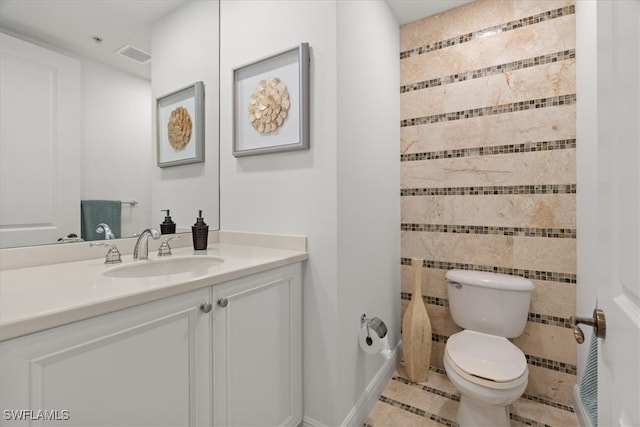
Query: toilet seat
486	360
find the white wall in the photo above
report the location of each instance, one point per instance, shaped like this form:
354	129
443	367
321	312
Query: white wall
293	192
116	140
185	50
368	185
317	193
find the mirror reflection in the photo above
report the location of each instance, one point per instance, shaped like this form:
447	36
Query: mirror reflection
79	80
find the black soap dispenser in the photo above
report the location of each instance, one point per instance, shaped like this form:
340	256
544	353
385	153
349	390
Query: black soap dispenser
168	226
200	233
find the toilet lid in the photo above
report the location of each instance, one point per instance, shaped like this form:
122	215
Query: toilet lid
486	356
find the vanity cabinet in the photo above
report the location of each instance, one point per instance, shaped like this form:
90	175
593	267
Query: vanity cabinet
225	355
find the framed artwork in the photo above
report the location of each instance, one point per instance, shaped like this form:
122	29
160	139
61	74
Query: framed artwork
180	126
271	103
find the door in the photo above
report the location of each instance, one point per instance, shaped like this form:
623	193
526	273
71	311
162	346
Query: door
39	144
618	212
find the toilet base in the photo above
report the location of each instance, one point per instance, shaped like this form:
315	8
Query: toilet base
472	413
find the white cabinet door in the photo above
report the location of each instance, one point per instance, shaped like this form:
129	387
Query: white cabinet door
149	365
257	350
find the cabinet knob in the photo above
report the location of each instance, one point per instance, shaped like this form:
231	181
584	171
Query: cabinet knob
205	307
222	302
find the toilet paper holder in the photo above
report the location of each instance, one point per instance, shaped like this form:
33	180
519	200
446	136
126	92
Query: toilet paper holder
374	323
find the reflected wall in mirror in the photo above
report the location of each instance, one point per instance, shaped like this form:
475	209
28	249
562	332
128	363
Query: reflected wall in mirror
78	116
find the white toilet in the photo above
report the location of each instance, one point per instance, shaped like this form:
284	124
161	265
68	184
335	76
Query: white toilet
486	368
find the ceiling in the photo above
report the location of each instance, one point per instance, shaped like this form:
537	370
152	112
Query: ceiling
412	10
71	25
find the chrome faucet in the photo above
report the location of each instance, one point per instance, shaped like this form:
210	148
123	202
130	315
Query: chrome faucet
141	250
104	228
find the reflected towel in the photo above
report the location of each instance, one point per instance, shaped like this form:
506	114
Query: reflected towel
93	212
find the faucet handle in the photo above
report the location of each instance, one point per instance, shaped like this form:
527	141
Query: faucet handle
165	249
113	254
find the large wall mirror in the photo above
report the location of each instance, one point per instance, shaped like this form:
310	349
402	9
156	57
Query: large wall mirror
80	82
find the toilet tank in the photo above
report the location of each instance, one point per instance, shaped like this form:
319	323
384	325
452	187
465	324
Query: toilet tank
496	304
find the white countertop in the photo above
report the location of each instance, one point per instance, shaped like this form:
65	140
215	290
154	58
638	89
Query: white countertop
41	297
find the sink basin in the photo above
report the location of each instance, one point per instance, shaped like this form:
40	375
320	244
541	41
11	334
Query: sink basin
194	265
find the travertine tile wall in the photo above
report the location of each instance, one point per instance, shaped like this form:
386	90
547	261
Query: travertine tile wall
488	167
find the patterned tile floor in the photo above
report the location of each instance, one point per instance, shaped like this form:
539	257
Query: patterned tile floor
435	403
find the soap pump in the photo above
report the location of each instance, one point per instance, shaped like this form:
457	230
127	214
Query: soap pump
168	226
200	233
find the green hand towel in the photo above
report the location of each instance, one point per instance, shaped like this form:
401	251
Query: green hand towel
94	212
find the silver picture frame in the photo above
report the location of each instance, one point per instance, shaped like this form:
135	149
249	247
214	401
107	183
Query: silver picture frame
191	99
291	67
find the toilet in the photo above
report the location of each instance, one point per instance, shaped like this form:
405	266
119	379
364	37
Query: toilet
485	367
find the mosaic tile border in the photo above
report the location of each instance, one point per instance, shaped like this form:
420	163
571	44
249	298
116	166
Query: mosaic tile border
543	319
548	402
529	274
417	411
442	302
508	26
439	338
455	397
437	370
529	147
491	71
527	421
491	190
492	110
554	365
558	233
540	362
527	396
549	320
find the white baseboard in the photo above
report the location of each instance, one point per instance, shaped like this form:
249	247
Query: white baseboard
584	420
310	422
358	414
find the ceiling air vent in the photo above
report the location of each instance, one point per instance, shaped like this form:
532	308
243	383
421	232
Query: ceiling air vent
134	54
